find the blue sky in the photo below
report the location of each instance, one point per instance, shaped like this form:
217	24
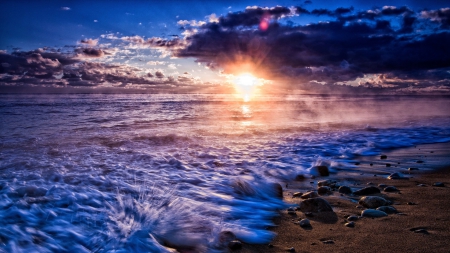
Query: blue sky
111	38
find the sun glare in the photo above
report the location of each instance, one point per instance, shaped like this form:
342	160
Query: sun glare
245	85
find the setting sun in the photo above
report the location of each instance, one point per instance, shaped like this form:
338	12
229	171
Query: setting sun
245	85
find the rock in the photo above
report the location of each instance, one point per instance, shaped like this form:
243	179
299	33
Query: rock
322	170
234	245
297	194
291	249
395	176
371	213
420	161
388	165
291	210
315	205
327	182
352	218
387	209
382	185
305	223
438	184
373	201
350	224
411	203
328	242
31	191
309	195
367	191
422	185
422	231
345	190
383	156
225	238
413	168
277	190
300	177
323	190
390	189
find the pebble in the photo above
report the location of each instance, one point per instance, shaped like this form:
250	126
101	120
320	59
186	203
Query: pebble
413	168
270	245
388	165
383	156
373	201
291	210
390	189
382	185
327	182
395	176
387	209
422	231
315	205
323	190
439	184
305	223
300	177
371	213
328	242
234	245
309	195
367	191
420	161
352	218
411	203
422	185
297	195
291	249
350	224
322	170
345	190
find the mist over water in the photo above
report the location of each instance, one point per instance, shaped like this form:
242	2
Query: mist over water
154	173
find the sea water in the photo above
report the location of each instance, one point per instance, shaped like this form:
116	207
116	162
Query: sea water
155	173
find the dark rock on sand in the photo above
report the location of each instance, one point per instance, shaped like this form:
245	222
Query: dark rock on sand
291	210
422	231
438	184
291	249
323	190
225	238
327	182
395	176
390	189
297	194
345	190
315	205
383	156
328	242
352	218
309	195
382	185
371	213
387	209
373	201
234	245
413	168
350	224
321	170
420	161
367	191
305	223
388	165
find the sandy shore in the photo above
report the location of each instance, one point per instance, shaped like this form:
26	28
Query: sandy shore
422	223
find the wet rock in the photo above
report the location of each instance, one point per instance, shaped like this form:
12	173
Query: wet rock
390	189
327	182
291	211
395	176
277	190
322	170
422	231
382	185
352	218
411	203
438	184
225	238
345	190
305	223
234	245
373	201
388	165
309	195
383	156
422	185
387	209
371	213
350	224
315	205
297	194
323	190
328	242
420	161
413	168
300	177
367	191
31	191
309	214
291	249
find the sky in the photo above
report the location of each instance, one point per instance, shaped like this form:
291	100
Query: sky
198	46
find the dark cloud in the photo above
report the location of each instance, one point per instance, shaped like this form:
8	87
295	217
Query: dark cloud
441	16
349	48
252	16
90	52
159	74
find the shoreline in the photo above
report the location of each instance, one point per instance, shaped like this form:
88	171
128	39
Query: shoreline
421	224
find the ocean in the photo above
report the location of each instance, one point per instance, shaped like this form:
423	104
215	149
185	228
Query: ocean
154	172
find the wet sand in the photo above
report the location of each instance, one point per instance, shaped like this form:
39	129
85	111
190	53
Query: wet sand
422	224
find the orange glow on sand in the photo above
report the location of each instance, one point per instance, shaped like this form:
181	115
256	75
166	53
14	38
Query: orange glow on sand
245	85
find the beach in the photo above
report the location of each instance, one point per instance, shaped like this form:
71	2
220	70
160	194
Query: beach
421	224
